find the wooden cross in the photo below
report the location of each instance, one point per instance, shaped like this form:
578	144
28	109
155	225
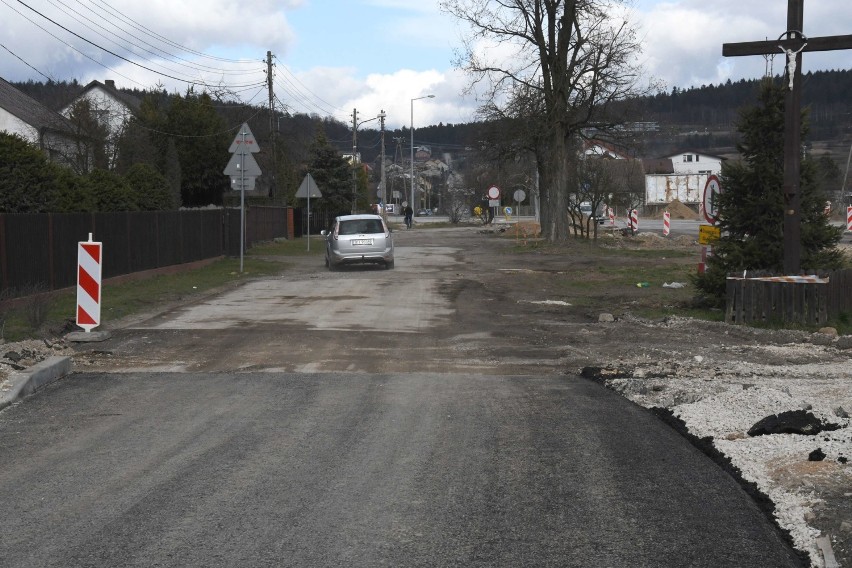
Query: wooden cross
792	43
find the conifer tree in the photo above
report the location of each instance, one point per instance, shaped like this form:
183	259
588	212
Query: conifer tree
332	174
751	206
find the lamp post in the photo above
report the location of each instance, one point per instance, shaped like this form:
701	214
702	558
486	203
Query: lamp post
412	144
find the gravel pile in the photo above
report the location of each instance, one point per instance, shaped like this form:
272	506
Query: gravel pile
721	396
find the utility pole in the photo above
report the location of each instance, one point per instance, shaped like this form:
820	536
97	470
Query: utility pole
385	192
354	160
271	120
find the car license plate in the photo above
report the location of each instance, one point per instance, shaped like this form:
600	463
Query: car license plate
362	241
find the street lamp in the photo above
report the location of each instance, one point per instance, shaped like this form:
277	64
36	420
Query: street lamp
412	144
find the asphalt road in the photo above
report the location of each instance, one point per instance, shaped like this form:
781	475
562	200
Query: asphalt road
280	424
354	469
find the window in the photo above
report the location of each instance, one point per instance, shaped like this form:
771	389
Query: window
687	157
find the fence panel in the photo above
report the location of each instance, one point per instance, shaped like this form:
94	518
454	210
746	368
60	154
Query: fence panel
810	302
143	232
28	256
68	230
169	243
39	251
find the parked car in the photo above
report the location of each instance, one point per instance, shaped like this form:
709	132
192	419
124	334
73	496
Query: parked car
424	212
354	239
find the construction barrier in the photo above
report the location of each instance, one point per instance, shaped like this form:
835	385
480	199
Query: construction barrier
667	223
634	220
89	284
610	212
849	218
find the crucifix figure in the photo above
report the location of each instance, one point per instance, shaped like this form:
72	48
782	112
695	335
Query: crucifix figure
792	56
792	42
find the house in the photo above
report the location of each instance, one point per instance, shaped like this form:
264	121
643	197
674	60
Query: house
692	162
679	177
112	109
37	124
602	149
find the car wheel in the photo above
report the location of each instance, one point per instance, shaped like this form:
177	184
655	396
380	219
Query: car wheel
388	265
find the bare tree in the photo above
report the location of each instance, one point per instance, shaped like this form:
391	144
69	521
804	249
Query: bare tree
553	68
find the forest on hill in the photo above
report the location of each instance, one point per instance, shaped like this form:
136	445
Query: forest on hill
698	117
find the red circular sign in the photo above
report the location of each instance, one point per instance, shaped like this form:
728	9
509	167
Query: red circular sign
493	192
712	189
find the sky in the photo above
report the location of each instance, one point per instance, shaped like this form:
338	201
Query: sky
333	56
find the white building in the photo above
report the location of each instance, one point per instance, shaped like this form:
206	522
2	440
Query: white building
112	108
692	162
38	125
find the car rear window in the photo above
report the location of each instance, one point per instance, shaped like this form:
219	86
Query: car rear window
361	226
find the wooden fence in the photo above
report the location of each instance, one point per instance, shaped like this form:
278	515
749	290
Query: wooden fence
38	252
812	300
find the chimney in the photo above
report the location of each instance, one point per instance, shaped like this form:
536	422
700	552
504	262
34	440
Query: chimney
109	83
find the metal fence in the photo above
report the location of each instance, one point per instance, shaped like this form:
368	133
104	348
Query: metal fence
38	252
804	300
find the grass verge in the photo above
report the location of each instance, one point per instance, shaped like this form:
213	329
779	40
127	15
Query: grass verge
131	297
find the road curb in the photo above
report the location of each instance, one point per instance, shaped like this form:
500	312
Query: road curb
27	382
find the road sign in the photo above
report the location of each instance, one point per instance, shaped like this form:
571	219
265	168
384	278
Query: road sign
708	234
244	142
242	183
246	162
493	192
89	255
712	190
308	188
520	195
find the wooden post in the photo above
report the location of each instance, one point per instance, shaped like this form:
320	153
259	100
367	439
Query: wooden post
792	43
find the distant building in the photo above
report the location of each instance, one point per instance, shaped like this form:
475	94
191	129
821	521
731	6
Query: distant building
38	125
112	109
680	177
692	162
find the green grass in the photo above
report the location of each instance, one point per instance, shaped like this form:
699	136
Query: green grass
127	298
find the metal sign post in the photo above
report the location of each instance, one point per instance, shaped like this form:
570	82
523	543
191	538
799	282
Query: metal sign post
308	189
243	165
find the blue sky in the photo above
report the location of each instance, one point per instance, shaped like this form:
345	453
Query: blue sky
336	55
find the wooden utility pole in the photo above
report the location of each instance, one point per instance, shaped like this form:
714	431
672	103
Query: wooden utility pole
272	126
792	43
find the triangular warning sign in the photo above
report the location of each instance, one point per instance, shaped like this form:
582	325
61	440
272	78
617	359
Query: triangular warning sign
244	142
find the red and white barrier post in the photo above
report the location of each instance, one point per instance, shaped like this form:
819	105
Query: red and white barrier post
611	214
634	220
89	284
667	223
849	218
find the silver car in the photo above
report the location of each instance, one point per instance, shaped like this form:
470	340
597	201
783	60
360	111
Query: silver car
356	239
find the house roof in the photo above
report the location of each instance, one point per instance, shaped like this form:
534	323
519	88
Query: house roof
31	111
692	151
131	102
658	166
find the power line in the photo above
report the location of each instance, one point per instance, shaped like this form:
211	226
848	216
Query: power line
115	54
162	38
25	63
61	6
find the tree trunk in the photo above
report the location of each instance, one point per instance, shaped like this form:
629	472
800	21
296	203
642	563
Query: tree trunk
558	176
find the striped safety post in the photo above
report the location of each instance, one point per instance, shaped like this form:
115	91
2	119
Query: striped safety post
849	218
634	220
611	214
667	223
89	284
